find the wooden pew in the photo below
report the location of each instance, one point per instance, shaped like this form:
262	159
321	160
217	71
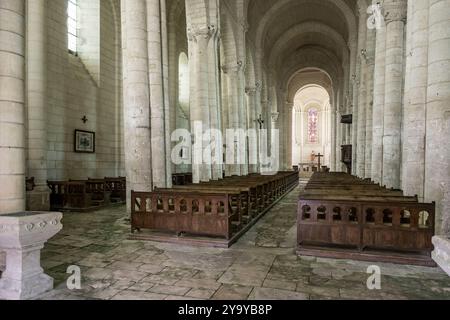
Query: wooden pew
224	209
57	194
195	213
77	196
365	221
85	195
101	193
118	188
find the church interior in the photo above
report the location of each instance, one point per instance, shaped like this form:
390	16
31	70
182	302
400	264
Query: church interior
224	149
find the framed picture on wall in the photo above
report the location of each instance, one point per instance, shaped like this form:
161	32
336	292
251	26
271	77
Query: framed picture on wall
84	141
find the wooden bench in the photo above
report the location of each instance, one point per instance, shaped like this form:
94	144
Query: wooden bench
101	192
77	196
365	222
85	195
223	209
205	214
118	188
57	194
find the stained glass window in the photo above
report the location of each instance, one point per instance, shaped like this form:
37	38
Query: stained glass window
72	22
313	121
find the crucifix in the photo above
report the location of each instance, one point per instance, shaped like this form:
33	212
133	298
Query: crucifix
260	122
319	156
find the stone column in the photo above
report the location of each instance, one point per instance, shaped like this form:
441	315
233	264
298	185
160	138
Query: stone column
12	99
254	127
243	118
234	121
157	103
215	102
198	38
39	198
437	161
370	69
279	123
395	29
166	90
356	81
136	98
347	96
362	92
415	102
378	105
276	118
333	129
289	114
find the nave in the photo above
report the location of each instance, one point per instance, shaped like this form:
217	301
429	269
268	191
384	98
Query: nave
261	265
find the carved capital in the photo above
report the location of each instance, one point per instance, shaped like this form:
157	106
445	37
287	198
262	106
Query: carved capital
275	116
233	68
205	32
395	10
251	91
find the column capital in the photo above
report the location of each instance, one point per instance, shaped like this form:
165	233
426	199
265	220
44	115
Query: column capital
233	68
395	10
204	32
289	104
275	116
251	91
361	7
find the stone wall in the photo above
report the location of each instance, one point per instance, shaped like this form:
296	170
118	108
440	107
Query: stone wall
75	90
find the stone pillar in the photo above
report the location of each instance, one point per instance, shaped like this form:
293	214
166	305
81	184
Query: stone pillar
289	114
234	121
254	127
215	102
437	161
173	84
39	198
338	125
333	130
362	92
166	90
12	99
415	102
22	238
370	69
276	118
138	158
378	105
347	96
198	38
243	118
395	11
279	123
157	103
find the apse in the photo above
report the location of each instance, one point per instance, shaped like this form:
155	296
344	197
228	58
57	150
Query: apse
311	126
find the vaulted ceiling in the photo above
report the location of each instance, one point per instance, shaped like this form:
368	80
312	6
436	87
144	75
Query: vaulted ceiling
298	34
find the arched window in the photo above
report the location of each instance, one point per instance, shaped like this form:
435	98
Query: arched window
72	25
183	82
313	122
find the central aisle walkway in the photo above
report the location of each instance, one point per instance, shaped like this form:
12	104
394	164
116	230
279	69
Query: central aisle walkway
262	265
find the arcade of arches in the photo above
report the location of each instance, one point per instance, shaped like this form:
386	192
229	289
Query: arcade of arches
137	70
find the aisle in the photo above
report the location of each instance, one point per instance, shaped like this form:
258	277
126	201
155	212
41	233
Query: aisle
262	265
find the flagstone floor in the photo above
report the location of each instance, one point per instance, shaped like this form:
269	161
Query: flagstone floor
262	265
